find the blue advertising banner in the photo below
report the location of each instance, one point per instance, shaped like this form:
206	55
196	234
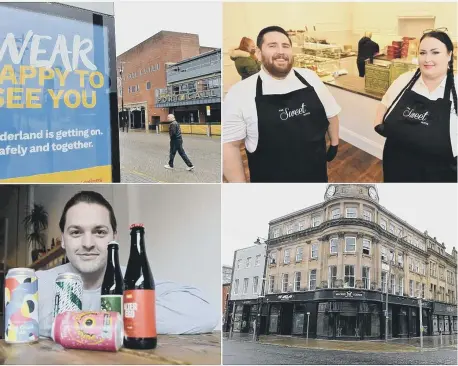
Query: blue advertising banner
54	99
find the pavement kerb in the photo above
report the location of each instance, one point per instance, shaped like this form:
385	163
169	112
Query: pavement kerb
408	349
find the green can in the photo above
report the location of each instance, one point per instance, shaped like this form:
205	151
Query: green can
68	294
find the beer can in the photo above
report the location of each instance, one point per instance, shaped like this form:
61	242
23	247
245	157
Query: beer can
68	294
97	331
21	306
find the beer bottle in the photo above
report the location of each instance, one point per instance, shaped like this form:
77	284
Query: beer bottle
139	295
113	285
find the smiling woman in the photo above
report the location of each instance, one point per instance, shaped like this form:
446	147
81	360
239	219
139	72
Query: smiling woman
418	116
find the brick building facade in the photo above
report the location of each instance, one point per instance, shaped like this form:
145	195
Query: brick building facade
143	70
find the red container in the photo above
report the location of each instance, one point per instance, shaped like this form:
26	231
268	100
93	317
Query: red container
97	331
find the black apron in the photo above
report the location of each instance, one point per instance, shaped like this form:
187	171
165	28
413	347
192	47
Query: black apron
418	147
291	143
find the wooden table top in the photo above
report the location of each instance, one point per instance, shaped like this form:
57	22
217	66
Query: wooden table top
204	349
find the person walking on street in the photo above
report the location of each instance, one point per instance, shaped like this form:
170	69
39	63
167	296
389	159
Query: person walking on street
176	144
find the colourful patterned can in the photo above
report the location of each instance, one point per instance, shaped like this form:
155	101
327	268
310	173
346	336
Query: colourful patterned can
69	293
97	331
21	306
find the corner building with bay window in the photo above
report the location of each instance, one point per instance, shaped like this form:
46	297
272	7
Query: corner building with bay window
329	265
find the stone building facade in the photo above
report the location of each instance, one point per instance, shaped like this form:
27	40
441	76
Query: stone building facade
329	266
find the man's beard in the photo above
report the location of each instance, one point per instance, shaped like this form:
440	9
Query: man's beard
275	71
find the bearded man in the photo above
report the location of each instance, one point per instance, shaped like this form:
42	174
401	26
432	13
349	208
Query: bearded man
282	115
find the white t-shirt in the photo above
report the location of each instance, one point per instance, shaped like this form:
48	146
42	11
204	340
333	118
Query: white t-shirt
240	115
179	309
421	88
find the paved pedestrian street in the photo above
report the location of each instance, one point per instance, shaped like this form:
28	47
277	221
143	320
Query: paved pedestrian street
144	154
295	350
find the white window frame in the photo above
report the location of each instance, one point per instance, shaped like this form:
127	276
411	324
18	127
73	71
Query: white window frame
297	284
273	257
367	244
248	262
239	263
401	285
271	284
283	283
257	261
350	251
316	221
392	229
383	255
310	279
384	285
255	282
336	239
301	225
401	259
315	245
335	214
393	284
367	215
299	254
349	276
276	232
330	276
289	229
236	287
368	277
411	288
246	284
383	224
347	213
285	257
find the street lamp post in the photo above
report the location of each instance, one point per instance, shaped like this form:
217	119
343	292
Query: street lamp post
257	328
421	322
121	70
389	279
308	321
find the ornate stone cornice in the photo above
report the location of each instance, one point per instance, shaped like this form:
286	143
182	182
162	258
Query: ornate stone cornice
342	224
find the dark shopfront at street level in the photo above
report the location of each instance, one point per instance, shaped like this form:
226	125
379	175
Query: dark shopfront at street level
444	319
343	314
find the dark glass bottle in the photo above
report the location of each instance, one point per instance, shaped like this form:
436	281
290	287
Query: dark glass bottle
139	295
113	285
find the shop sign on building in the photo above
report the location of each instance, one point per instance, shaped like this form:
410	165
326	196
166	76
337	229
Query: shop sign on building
189	96
348	294
285	297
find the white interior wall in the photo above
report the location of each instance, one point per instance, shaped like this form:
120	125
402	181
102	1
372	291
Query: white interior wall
341	23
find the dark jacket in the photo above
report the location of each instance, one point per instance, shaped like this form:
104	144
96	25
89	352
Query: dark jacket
244	63
367	49
175	131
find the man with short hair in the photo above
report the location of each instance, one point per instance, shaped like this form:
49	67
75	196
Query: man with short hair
176	144
367	49
282	114
88	224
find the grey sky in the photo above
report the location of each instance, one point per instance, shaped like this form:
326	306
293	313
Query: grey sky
137	21
248	208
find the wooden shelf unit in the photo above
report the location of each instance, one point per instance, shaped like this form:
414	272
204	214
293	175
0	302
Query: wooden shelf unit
54	253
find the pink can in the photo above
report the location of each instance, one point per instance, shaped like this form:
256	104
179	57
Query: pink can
97	331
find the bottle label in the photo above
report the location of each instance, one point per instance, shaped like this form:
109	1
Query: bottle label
111	303
140	314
